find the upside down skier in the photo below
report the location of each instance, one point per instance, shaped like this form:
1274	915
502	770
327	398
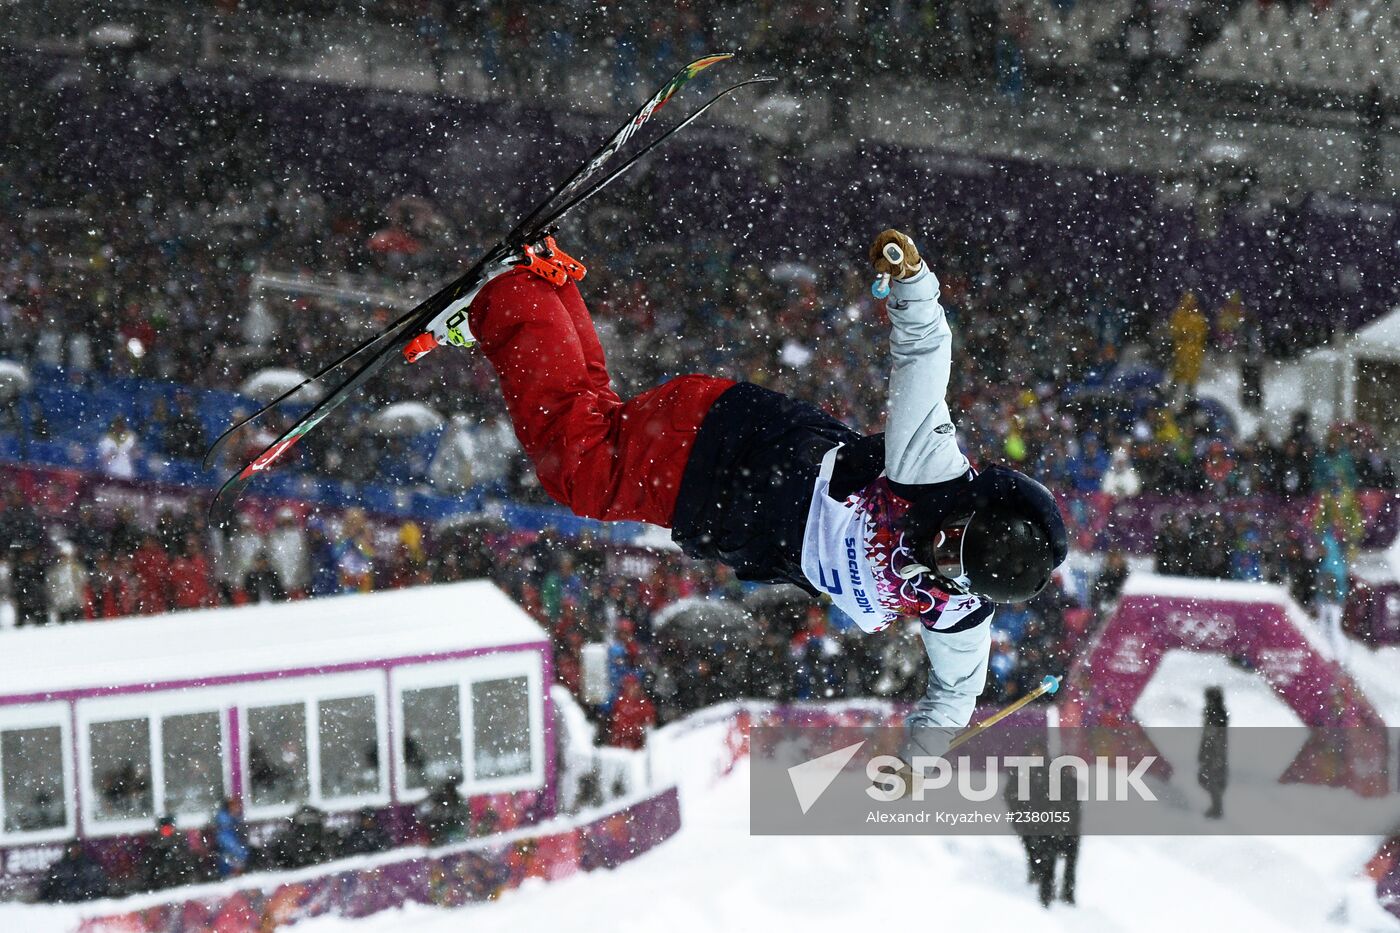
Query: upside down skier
889	526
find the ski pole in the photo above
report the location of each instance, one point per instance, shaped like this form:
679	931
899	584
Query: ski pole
1050	684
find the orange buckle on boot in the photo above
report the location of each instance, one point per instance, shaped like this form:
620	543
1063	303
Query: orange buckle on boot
542	267
563	260
419	347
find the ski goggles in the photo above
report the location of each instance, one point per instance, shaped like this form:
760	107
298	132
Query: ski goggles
948	551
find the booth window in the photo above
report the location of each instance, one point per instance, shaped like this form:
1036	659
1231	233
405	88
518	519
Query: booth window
501	727
31	763
349	747
277	767
192	756
120	752
432	741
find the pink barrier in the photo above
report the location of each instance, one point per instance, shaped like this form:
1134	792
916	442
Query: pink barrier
474	873
1260	633
1384	867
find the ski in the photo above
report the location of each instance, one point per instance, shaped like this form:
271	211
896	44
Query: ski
580	175
398	335
212	454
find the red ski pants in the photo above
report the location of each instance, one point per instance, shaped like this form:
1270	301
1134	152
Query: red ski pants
602	457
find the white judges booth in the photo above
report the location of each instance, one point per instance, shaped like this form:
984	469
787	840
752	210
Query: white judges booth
367	700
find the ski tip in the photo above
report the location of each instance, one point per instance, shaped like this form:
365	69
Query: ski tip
700	64
220	512
218	515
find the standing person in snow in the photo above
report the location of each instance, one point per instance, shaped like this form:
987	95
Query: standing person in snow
894	525
1213	757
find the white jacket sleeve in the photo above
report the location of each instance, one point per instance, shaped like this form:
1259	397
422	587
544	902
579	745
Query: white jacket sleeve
956	676
920	443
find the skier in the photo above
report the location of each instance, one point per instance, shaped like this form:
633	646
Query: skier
894	525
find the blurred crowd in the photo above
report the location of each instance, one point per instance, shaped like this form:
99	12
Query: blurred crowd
503	40
107	564
173	856
814	333
957	39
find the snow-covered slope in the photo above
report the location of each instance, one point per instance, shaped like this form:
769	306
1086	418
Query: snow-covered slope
715	876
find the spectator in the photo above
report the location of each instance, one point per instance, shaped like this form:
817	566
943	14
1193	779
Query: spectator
25	418
158	424
1108	583
1300	569
111	594
1293	471
1250	342
1212	760
1218	468
1332	589
287	552
191	578
325	575
1001	666
354	554
244	546
137	336
124	537
1138	45
432	32
20	527
444	815
1085	469
1012	32
262	585
1373	468
75	877
452	469
366	835
179	436
1248	554
1336	468
29	588
409	564
184	436
1189	330
633	714
152	568
67	584
168	862
231	847
303	841
1300	432
1121	480
471	455
1172	547
1043	852
117	450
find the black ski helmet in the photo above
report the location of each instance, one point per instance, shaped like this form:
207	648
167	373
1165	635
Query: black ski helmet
1008	532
